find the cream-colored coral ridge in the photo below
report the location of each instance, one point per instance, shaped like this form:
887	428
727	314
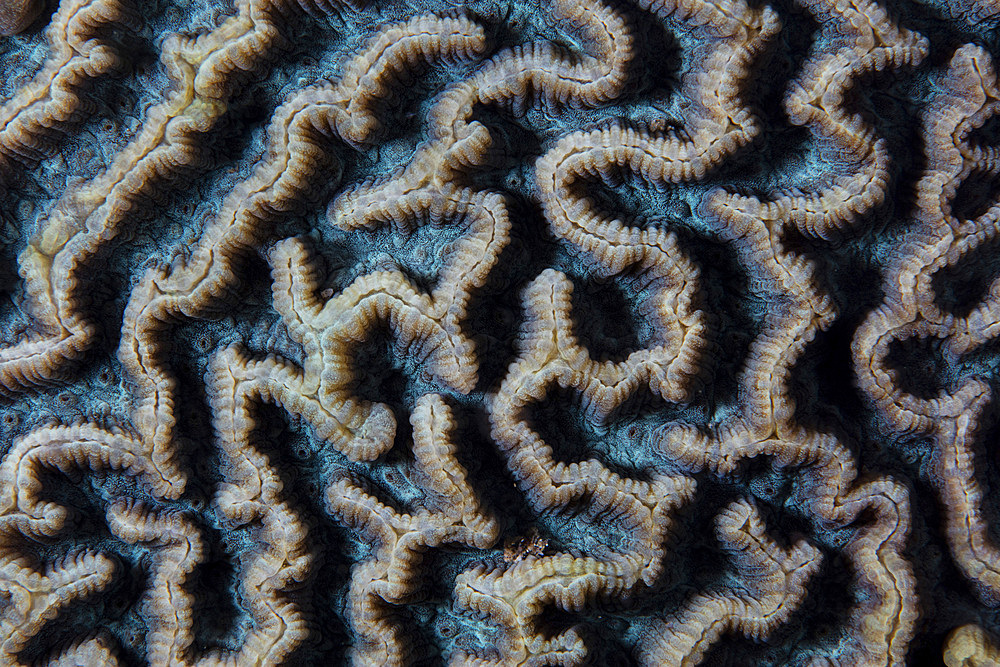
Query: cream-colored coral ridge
633	516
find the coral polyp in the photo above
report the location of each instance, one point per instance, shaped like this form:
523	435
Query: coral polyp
653	332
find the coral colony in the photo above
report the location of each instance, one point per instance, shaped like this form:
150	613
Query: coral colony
504	332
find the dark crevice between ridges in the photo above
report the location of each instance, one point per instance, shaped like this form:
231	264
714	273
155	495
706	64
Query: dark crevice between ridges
605	318
921	366
434	621
779	145
116	608
986	474
304	465
814	628
383	369
490	478
942	591
514	148
564	425
986	135
823	380
496	311
655	69
217	616
112	611
930	21
963	286
735	311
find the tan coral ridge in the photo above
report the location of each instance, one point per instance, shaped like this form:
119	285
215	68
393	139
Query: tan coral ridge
147	449
879	626
936	240
881	622
16	15
176	545
193	282
33	118
970	646
449	513
859	38
514	597
771	586
201	72
564	580
654	257
873	514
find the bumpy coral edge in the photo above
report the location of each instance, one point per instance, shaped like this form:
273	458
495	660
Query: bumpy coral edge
863	39
450	513
951	419
970	646
772	585
882	621
33	119
880	625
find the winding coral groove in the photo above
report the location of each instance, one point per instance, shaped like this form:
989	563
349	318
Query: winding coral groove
202	76
552	357
910	310
613	529
250	496
864	40
189	286
32	120
774	578
882	621
450	513
193	283
719	125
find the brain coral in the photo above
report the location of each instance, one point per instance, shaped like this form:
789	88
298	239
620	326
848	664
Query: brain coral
502	332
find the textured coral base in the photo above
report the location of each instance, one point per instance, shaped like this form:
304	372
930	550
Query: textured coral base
580	332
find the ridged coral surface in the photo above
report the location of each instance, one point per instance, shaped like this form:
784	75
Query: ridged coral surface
646	332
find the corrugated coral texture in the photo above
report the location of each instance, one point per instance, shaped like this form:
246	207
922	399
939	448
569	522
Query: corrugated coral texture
658	332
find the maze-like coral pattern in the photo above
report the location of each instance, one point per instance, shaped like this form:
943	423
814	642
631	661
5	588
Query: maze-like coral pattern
654	332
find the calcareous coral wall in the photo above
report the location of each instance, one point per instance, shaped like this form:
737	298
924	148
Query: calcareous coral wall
504	332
